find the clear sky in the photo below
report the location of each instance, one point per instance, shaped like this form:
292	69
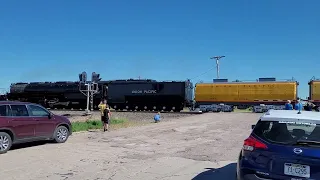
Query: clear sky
159	39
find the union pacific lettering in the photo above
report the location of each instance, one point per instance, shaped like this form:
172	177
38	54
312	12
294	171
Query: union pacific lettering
144	91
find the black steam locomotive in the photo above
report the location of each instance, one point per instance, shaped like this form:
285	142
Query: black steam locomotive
54	94
120	94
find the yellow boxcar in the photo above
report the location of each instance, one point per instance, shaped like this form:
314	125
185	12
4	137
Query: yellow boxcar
245	92
314	90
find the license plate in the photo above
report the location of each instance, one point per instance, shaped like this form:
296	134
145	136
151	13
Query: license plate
297	170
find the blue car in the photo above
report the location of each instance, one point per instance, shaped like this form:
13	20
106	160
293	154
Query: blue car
282	145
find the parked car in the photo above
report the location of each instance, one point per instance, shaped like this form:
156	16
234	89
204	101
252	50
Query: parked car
22	122
282	145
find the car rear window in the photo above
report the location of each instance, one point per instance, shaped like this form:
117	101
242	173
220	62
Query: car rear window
285	132
4	110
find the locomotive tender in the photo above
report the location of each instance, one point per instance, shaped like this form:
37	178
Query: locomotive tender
150	95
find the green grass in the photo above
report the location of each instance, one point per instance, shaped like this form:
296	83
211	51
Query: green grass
97	124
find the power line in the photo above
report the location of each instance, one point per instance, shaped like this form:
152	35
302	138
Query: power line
209	70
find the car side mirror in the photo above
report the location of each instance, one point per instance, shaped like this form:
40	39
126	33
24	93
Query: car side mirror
252	126
49	115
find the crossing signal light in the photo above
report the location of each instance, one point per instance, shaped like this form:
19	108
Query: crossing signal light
95	77
83	77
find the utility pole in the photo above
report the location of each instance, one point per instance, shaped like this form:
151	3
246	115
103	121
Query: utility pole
91	98
217	58
91	89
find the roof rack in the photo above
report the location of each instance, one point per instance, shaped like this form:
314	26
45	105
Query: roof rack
314	79
261	80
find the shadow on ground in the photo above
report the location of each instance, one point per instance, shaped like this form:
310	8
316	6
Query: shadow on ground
227	172
28	145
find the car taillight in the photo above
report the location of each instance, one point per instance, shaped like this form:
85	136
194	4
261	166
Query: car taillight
252	143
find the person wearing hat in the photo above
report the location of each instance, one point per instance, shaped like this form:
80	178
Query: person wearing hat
288	105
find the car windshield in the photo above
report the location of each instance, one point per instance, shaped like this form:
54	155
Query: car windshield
285	132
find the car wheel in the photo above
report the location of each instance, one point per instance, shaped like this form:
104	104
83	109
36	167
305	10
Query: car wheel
5	142
61	134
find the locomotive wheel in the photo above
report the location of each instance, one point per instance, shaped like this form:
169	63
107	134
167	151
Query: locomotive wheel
159	108
154	108
168	109
140	108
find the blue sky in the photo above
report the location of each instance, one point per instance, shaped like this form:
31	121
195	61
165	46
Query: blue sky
159	39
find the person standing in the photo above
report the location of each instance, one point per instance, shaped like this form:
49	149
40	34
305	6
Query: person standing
309	106
298	105
288	105
105	114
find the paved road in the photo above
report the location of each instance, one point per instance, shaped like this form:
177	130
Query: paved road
198	147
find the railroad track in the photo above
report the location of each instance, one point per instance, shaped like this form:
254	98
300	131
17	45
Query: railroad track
112	110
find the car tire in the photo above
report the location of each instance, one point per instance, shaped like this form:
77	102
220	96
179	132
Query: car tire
61	134
5	142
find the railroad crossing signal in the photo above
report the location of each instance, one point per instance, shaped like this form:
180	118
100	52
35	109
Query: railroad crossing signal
91	87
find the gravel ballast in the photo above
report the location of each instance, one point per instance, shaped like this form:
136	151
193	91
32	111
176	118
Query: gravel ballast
130	116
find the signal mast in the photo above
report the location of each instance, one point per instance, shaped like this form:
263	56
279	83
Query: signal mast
91	88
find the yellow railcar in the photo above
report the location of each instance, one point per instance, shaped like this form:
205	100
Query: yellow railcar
314	90
246	92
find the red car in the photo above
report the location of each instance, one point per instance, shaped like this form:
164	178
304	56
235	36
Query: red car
22	122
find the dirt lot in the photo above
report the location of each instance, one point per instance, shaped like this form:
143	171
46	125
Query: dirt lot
198	147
